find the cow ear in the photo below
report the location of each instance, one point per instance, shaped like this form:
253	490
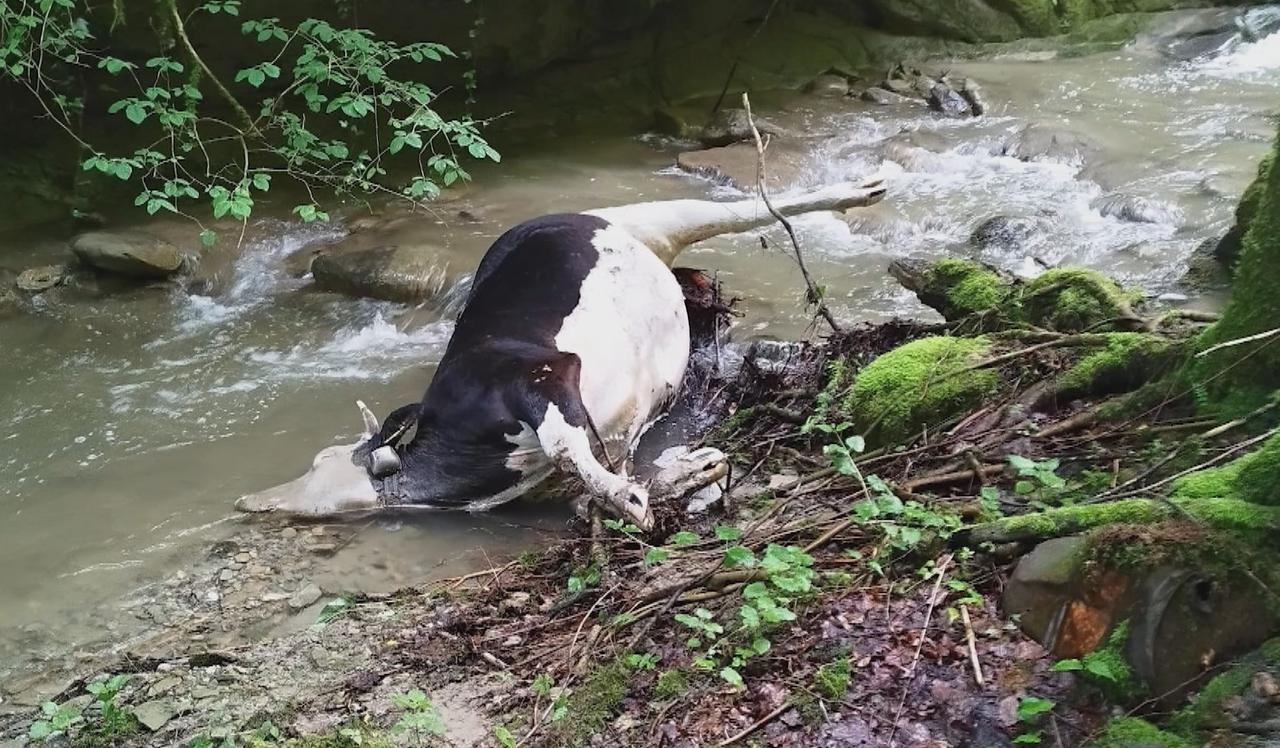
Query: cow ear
371	427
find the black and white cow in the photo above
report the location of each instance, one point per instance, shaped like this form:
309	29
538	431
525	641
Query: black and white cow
573	341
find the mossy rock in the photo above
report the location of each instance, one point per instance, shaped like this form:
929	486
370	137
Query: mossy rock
1254	478
1074	299
924	382
955	288
1132	732
1206	707
1249	373
1127	361
1228	249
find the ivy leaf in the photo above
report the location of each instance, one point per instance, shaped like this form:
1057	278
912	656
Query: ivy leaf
656	556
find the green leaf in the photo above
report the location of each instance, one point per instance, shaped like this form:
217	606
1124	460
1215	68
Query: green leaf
728	532
732	677
656	556
856	444
684	537
1024	487
39	730
1028	738
1101	668
1030	707
1021	464
262	181
739	555
504	737
1066	666
841	460
135	113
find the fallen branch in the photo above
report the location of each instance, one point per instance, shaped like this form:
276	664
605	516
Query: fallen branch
766	719
1239	341
814	293
915	661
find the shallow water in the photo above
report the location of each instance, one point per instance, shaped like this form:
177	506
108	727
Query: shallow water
130	422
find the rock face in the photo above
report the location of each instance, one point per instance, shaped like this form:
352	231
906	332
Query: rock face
736	164
404	273
128	253
1228	250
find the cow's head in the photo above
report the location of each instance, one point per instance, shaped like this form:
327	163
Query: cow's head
338	481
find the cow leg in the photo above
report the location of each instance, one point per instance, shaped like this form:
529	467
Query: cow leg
567	436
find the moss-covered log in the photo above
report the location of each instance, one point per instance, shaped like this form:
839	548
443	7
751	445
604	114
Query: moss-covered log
1062	299
1255	478
1128	361
1219	513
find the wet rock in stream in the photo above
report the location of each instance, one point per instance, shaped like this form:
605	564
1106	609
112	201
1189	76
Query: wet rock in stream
129	253
404	273
735	164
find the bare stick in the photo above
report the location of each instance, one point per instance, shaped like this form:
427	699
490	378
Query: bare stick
1239	341
814	294
181	29
973	647
924	631
766	719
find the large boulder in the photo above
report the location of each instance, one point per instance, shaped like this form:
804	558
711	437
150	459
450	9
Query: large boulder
405	273
131	253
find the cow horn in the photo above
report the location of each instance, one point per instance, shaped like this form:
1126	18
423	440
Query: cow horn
370	420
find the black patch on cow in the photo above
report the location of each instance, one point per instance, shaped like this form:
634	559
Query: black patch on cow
501	366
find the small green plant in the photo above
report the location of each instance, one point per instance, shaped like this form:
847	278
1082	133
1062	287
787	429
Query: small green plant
584	578
56	719
832	679
420	718
505	737
1037	479
1030	711
703	624
642	661
670	684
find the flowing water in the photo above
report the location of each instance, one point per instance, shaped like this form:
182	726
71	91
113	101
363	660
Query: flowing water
130	421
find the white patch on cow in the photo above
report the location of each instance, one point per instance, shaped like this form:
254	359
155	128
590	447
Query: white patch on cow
631	332
569	448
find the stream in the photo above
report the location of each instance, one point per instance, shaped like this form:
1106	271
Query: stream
130	421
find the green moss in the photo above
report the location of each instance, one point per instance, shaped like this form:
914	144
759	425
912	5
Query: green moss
921	383
593	703
1254	306
1228	250
1074	299
1131	732
958	288
670	684
1219	513
1206	707
1128	360
1122	687
1254	478
832	679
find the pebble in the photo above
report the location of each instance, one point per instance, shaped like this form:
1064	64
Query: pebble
324	548
211	596
163	686
227	575
319	530
288	532
154	714
243	558
305	596
512	641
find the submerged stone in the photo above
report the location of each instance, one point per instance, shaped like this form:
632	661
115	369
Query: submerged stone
736	164
403	273
38	280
